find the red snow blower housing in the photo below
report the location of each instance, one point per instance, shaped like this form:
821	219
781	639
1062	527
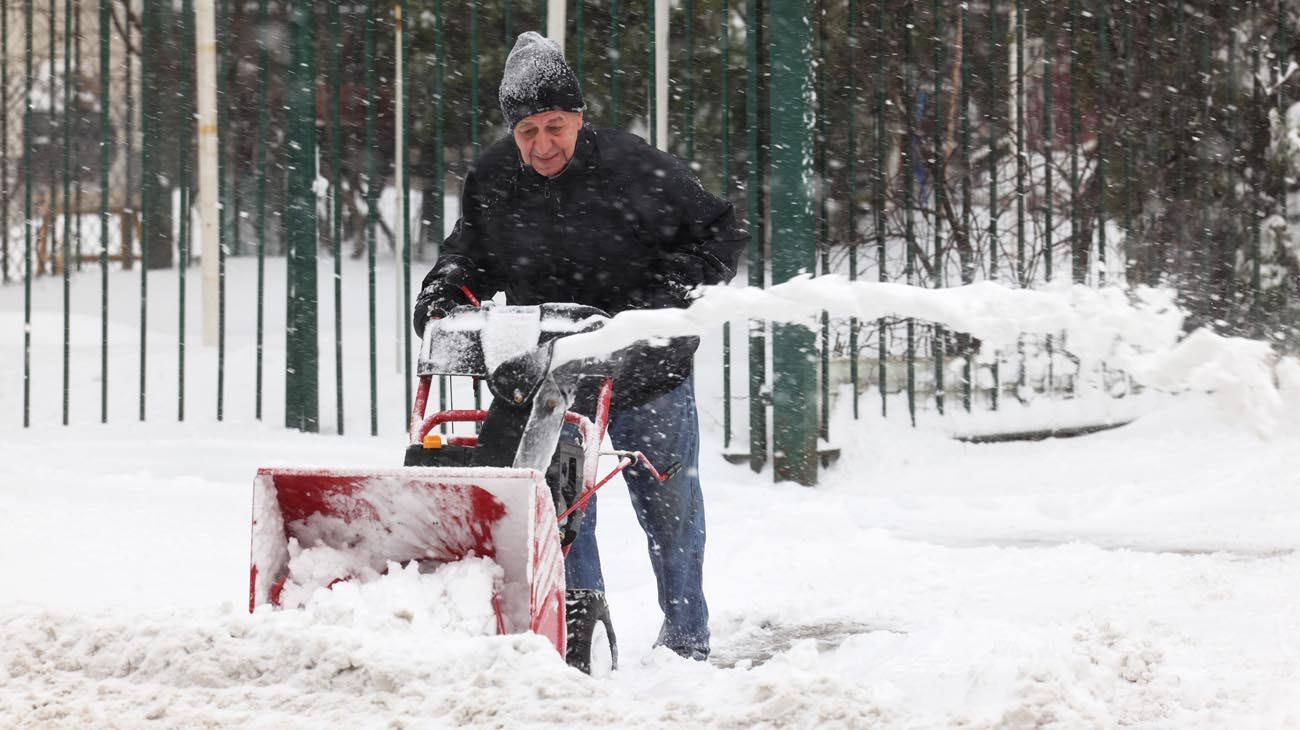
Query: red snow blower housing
514	493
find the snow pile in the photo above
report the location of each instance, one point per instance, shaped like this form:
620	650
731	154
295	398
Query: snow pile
1288	381
317	568
361	637
369	521
283	670
333	584
1238	372
451	599
1102	327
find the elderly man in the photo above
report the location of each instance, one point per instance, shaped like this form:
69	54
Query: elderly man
562	212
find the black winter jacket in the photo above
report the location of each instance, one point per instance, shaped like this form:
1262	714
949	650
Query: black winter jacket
624	226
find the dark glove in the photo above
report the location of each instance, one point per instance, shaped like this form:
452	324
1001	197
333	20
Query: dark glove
674	282
444	290
434	302
669	294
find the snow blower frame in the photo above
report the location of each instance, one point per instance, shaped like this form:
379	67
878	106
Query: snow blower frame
516	492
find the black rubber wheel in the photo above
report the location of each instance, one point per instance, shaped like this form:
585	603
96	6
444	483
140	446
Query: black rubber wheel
591	646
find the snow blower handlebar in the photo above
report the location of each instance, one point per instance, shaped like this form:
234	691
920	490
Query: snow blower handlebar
512	349
626	459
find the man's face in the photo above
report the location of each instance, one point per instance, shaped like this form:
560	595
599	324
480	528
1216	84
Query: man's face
546	140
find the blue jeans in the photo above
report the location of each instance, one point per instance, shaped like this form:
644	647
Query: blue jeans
666	430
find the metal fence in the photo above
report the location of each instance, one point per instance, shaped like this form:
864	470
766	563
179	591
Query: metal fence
1145	142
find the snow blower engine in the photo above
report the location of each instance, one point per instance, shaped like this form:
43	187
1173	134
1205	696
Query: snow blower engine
515	492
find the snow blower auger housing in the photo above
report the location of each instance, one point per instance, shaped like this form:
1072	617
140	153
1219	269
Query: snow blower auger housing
515	492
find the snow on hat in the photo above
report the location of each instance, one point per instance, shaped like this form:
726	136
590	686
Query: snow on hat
537	79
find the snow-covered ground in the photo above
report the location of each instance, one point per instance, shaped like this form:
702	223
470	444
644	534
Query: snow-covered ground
1146	576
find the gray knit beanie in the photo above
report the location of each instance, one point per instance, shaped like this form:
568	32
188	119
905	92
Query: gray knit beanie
537	79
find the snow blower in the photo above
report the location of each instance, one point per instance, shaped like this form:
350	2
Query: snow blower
515	492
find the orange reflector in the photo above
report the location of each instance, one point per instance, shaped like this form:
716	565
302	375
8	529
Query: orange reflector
432	441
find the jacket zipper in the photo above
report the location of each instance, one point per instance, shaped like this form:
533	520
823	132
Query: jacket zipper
553	204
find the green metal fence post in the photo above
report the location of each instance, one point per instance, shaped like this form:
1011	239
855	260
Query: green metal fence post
405	223
1216	246
1019	100
966	249
260	172
54	128
474	129
1146	256
474	78
1256	252
1077	270
148	175
302	398
823	240
579	38
439	163
224	219
67	190
1021	269
939	186
688	74
852	208
1049	132
616	70
185	118
236	166
372	206
1217	294
725	141
27	221
128	154
794	434
105	162
1103	78
995	44
1129	128
754	214
1180	122
76	181
52	27
336	200
1283	36
878	197
653	73
905	164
